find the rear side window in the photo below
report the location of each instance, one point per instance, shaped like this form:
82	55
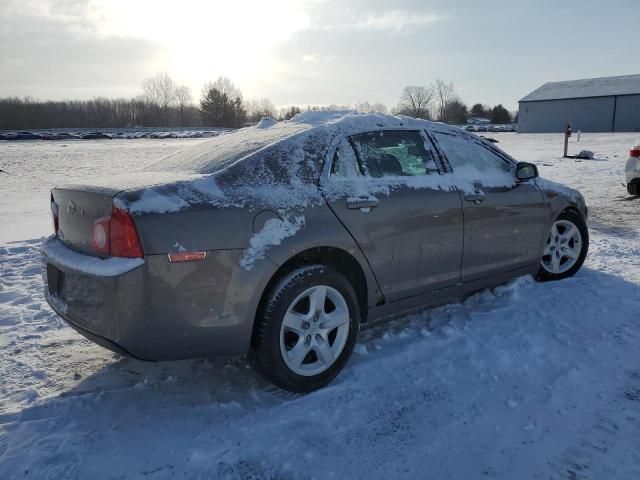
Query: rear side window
345	163
221	151
394	153
462	152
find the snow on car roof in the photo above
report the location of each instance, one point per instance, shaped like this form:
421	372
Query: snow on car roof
283	174
225	149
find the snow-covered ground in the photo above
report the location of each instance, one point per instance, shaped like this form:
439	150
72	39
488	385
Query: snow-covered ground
33	167
526	381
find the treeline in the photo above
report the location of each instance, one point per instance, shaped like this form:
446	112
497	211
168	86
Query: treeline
163	103
440	102
20	114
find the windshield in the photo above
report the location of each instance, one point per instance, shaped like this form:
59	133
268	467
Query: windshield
221	151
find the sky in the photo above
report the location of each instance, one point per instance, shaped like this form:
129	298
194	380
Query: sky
315	52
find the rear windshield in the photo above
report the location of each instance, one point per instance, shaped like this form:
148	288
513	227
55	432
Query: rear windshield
221	151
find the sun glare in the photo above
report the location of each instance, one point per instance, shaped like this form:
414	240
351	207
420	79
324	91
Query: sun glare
200	39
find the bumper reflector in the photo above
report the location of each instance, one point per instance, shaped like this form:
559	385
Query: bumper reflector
187	256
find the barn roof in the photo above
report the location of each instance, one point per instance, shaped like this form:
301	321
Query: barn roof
588	87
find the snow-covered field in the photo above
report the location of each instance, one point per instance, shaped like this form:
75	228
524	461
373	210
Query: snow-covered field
529	380
33	167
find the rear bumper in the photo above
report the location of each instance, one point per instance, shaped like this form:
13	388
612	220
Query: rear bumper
632	170
152	309
633	177
103	342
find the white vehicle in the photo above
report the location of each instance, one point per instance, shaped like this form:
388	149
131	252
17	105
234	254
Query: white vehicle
632	171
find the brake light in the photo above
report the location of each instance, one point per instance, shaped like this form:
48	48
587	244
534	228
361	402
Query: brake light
54	216
123	236
116	235
635	152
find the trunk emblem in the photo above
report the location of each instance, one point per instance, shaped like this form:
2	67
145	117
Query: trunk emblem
71	208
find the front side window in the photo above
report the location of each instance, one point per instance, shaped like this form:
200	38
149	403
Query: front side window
394	153
464	152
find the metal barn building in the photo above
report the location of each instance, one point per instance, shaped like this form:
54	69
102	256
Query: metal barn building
607	104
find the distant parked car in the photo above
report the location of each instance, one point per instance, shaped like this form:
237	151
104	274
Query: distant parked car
95	136
632	171
471	128
279	241
59	136
482	128
22	136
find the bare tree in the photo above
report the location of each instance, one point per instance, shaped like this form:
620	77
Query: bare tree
444	95
289	113
416	102
225	86
183	100
260	108
160	89
160	92
366	107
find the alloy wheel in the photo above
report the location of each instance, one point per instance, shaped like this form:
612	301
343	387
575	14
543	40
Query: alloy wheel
314	330
563	247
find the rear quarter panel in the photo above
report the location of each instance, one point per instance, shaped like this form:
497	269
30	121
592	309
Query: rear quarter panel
197	228
199	309
323	229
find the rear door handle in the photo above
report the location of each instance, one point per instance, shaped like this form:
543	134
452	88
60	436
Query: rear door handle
364	204
475	197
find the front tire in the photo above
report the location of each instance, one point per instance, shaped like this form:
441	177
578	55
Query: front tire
306	328
566	247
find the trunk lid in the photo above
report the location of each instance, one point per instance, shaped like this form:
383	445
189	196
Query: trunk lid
78	208
80	205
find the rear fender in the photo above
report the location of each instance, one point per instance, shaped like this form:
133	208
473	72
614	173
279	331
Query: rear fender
320	228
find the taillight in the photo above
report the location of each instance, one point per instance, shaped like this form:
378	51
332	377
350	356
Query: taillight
116	235
123	236
635	152
54	216
100	240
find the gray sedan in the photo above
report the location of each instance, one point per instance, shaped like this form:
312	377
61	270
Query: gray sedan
280	240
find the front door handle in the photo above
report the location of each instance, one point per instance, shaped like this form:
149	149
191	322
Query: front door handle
475	197
364	204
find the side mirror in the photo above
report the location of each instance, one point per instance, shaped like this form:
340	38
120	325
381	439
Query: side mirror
526	171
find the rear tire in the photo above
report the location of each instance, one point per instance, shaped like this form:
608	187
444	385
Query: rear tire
306	328
566	247
633	188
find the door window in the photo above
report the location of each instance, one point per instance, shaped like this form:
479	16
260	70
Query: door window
463	152
394	153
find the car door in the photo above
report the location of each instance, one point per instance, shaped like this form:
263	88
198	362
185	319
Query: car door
410	234
504	219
